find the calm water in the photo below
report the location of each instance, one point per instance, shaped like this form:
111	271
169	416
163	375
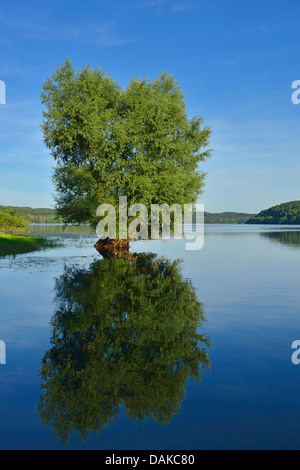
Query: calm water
152	354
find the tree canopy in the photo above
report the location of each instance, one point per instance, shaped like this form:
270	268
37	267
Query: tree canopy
12	221
110	141
125	334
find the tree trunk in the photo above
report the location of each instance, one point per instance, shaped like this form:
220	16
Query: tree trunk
110	248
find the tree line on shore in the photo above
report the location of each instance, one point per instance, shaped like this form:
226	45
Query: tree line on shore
283	214
16	219
12	221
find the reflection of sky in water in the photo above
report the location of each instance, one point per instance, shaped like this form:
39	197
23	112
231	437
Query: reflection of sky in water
248	281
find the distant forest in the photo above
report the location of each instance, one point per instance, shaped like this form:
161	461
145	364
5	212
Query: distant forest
39	216
284	214
48	216
16	219
225	218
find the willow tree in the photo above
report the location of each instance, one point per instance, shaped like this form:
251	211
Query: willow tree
110	141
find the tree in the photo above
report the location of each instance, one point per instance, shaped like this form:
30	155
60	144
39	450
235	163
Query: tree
110	141
12	221
125	333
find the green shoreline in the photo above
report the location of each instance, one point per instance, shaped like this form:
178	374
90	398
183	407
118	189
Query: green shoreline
16	244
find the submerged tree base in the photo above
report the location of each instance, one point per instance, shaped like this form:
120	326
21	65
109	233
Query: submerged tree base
110	248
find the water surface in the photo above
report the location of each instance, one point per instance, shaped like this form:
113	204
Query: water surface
152	353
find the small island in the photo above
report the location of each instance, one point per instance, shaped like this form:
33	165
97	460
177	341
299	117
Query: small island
283	214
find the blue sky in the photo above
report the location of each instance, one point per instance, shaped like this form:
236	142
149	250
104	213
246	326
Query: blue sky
236	62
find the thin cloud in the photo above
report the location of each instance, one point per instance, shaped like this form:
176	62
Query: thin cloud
14	70
280	53
168	5
105	36
268	28
152	4
182	6
101	35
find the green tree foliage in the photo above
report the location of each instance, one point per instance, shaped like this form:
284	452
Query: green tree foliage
125	333
39	216
284	214
110	141
225	218
12	221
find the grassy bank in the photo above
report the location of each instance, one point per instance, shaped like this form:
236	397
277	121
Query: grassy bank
14	244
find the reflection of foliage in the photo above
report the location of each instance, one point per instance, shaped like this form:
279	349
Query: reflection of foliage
291	238
124	333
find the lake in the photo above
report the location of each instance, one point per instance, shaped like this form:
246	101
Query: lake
152	353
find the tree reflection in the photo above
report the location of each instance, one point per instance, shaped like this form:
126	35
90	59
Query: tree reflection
290	238
124	334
